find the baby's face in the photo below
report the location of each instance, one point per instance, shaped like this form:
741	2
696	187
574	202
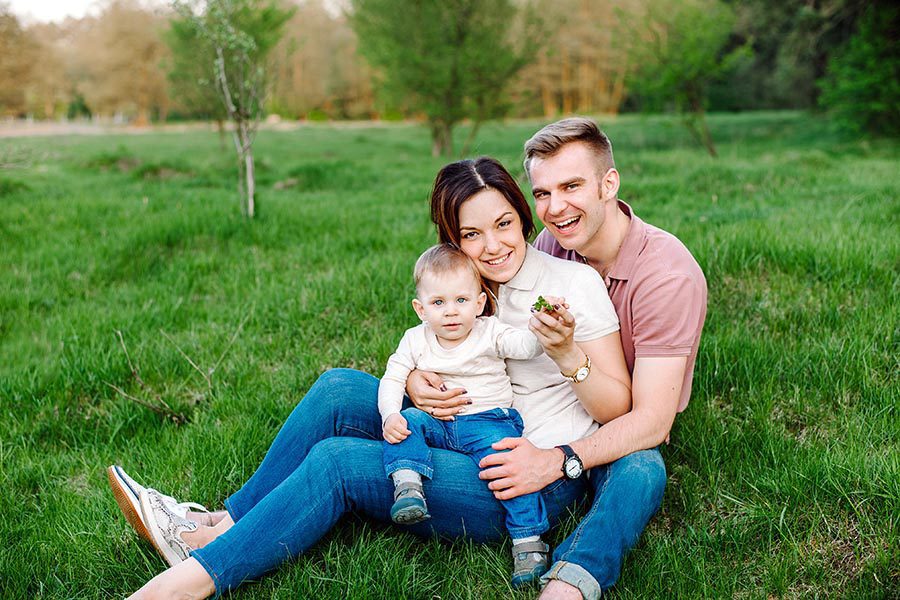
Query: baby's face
449	303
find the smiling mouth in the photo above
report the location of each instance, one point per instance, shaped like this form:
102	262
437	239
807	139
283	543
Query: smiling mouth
498	261
567	224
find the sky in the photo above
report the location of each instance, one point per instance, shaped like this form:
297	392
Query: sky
58	10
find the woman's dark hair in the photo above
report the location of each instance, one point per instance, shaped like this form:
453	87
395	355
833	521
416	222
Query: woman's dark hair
459	181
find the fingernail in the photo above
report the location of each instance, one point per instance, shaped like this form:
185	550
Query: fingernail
443	388
465	392
532	309
469	402
556	306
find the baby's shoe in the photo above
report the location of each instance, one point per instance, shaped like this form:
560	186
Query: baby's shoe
530	561
409	504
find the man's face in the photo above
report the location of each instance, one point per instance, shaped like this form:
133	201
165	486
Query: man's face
569	196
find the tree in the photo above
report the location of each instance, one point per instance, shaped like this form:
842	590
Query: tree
16	56
681	54
237	36
122	55
862	87
448	59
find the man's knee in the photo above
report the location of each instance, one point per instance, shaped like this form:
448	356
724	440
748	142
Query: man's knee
645	470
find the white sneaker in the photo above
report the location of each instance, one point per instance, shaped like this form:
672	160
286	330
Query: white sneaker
165	527
127	494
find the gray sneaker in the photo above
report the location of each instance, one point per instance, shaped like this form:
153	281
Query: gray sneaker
530	561
127	493
165	527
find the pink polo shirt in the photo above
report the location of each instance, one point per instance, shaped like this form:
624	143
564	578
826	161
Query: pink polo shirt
658	291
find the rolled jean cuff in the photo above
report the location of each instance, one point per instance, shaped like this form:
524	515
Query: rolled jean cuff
522	532
404	463
574	575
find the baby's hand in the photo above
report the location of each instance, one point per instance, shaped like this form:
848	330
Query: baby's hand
395	430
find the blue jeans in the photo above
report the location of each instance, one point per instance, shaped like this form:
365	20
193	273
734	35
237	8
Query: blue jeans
326	461
471	435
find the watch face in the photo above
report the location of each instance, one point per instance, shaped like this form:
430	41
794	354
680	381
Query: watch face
573	469
581	374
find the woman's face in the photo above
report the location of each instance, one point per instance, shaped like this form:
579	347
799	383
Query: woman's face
490	233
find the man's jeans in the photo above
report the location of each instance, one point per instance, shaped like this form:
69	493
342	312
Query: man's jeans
326	461
471	435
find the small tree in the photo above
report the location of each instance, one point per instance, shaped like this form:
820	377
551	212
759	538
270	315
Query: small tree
236	36
680	52
449	59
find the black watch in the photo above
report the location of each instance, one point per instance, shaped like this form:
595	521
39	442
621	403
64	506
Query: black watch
572	466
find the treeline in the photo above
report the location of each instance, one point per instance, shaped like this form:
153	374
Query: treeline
591	57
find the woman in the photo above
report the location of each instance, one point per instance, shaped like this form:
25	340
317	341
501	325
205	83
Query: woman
327	458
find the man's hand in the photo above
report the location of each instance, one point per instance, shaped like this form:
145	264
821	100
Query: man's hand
429	394
522	470
395	429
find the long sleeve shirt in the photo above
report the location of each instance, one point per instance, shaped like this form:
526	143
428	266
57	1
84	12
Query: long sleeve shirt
478	364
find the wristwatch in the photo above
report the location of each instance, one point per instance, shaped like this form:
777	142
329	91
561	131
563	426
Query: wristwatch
572	466
581	373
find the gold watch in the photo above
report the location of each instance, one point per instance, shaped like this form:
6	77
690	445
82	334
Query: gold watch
581	373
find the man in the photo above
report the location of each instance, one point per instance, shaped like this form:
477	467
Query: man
659	293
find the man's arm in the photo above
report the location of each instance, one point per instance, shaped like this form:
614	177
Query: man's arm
655	391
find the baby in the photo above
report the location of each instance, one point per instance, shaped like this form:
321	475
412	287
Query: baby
468	352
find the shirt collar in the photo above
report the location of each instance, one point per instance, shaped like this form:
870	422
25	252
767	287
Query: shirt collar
626	259
528	273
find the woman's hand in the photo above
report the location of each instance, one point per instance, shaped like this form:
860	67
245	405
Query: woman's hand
428	393
556	333
395	429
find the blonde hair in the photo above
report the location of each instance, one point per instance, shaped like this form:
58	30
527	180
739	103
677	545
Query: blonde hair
550	140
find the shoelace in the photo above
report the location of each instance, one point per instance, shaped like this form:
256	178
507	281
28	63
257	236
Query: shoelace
179	508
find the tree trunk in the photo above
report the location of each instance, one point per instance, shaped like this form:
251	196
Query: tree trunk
249	179
566	82
441	139
698	125
547	97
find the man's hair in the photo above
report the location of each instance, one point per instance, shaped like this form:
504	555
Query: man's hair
551	139
445	258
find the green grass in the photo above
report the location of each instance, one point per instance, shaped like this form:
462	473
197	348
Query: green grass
784	472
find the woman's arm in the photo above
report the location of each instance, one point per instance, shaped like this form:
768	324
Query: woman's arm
606	393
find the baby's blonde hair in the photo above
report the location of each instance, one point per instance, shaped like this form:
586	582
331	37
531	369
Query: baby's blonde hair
444	258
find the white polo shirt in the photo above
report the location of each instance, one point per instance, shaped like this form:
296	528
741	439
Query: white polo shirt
548	404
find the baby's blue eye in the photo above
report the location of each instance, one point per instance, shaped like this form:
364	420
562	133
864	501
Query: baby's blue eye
461	300
438	302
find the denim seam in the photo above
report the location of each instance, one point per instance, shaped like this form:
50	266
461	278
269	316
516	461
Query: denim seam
579	530
344	428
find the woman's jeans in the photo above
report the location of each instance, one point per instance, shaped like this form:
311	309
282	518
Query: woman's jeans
327	461
471	435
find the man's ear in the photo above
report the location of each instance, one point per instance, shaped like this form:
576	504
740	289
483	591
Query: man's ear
482	298
419	308
609	184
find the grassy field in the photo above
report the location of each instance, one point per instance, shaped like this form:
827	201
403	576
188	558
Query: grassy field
784	472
